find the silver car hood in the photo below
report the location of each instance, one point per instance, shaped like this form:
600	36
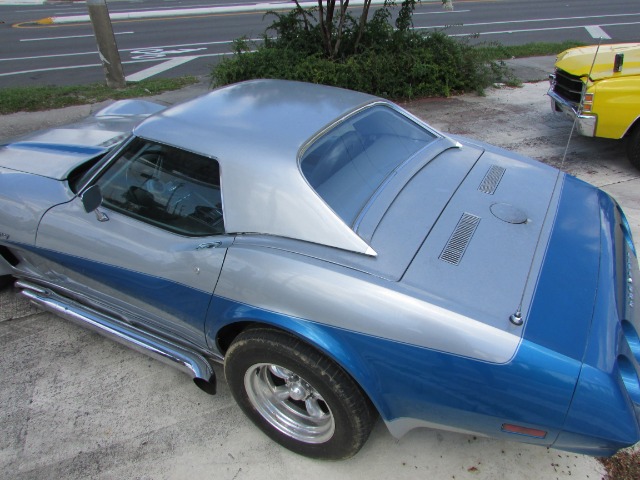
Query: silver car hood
56	152
482	257
46	159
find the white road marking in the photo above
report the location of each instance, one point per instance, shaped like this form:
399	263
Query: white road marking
596	32
156	69
121	50
72	67
444	11
534	20
496	32
64	38
36	57
160	52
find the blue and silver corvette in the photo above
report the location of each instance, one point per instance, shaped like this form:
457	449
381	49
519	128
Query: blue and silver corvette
342	260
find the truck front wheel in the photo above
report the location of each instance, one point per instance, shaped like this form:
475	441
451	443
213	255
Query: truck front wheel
633	146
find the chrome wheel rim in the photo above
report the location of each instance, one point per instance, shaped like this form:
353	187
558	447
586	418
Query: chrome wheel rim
289	403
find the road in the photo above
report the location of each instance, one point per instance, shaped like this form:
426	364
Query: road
66	54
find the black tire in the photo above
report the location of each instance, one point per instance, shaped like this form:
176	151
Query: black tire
335	418
633	146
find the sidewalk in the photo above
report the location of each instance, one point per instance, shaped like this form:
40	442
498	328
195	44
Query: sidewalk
77	406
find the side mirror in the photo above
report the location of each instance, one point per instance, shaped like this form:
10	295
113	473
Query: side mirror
617	62
91	198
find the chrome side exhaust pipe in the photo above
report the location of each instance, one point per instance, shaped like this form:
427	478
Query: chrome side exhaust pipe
162	349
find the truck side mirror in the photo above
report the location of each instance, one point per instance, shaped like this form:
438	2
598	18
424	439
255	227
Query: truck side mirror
617	63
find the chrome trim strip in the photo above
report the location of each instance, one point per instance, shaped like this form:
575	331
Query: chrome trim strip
162	349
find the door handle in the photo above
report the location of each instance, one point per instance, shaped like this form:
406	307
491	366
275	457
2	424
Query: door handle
204	246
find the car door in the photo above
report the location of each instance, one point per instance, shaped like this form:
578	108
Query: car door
153	251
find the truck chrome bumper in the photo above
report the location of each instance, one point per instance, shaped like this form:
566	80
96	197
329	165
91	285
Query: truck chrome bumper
585	124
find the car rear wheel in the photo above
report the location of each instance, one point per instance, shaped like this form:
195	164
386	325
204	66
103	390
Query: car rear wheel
297	396
633	146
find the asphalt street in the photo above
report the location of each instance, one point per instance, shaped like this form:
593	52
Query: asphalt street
77	406
42	54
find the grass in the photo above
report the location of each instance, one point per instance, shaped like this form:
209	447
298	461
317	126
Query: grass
624	465
32	99
502	52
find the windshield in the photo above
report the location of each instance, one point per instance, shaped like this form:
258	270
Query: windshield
350	162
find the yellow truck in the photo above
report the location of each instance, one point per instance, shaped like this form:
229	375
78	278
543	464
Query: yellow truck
599	87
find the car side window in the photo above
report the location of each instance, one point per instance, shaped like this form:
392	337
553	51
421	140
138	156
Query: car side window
165	186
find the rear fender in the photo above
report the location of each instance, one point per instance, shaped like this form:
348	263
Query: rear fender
228	313
412	386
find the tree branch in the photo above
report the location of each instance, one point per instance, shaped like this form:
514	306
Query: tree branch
344	4
362	23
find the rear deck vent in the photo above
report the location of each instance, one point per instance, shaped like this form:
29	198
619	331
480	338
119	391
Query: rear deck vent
491	180
460	238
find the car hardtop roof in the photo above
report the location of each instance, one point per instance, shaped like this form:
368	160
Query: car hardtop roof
265	113
255	131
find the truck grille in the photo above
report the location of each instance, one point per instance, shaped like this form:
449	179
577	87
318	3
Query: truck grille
568	86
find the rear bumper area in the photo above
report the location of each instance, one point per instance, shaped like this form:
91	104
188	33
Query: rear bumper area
604	415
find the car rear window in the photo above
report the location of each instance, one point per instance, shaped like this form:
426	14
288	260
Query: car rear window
349	163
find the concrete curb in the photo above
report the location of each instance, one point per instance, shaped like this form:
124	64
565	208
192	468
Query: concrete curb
186	12
22	2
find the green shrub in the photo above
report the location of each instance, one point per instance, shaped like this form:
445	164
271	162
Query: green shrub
381	60
411	65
